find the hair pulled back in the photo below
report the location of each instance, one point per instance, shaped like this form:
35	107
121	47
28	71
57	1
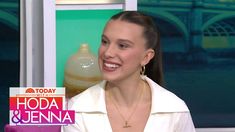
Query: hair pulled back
152	36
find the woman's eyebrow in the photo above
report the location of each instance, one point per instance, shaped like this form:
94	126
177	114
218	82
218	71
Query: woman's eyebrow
119	40
125	40
103	36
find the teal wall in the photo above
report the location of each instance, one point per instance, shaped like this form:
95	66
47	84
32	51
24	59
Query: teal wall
74	27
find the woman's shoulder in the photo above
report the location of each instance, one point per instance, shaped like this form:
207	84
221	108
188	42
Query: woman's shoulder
165	100
89	92
89	98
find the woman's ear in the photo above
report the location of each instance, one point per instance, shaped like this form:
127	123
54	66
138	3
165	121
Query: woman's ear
149	54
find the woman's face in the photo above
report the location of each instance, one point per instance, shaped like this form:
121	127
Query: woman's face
122	51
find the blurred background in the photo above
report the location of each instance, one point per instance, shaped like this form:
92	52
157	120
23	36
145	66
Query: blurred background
9	54
198	42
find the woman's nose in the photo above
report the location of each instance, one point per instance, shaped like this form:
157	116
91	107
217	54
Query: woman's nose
110	51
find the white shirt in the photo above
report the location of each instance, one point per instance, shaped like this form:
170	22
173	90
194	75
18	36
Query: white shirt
168	112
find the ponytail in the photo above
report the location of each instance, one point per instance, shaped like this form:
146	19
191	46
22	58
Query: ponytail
154	68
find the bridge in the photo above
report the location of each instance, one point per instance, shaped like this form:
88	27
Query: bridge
185	25
9	30
9	54
9	11
193	25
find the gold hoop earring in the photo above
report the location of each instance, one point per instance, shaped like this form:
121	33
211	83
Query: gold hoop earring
142	70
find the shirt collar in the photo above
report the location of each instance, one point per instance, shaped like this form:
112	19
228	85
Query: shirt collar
93	99
163	100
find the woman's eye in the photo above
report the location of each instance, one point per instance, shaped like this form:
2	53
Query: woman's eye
104	42
123	46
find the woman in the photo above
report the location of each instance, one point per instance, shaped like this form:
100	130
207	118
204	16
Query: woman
127	100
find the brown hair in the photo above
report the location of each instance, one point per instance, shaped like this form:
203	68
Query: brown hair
152	36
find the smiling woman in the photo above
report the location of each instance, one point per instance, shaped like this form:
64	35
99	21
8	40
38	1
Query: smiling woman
121	50
127	100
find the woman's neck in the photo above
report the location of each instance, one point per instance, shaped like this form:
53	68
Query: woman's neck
126	92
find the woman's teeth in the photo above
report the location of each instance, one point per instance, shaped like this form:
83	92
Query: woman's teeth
111	65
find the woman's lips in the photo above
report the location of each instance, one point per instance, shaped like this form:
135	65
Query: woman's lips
110	66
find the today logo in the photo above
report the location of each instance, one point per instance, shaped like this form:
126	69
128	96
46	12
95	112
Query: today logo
40	90
39	106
